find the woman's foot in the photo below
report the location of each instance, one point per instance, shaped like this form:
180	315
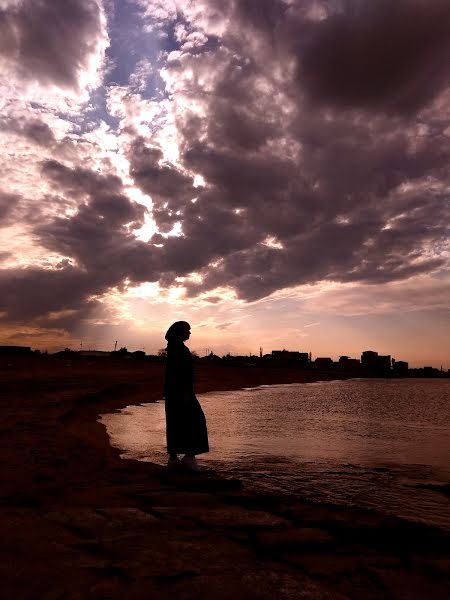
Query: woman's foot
174	462
190	462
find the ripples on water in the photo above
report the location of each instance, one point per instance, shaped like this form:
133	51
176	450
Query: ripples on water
376	443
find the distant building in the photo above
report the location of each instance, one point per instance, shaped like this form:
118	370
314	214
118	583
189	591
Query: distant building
290	355
211	357
374	362
400	367
15	350
369	359
430	371
323	360
384	363
345	361
93	353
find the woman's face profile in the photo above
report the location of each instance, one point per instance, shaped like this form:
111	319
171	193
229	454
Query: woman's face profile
186	332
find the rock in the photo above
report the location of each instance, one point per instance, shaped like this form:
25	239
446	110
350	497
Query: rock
439	565
330	566
227	517
301	539
180	499
407	585
126	515
201	481
78	519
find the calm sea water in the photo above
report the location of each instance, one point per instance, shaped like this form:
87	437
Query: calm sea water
375	443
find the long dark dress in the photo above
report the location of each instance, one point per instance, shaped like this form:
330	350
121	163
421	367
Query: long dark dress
185	421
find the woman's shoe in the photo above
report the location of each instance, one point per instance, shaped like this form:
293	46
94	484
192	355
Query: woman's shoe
191	463
174	463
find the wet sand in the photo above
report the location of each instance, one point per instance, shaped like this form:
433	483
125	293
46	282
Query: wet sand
79	522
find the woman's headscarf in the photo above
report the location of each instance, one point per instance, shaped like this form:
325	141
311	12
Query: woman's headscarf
175	331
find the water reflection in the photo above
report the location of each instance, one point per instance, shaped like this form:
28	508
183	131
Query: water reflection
368	442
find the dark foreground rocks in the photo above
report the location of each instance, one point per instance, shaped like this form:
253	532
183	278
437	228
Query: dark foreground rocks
76	521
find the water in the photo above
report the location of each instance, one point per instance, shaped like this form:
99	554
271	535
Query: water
374	443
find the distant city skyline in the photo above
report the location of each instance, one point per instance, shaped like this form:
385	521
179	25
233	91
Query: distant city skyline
202	352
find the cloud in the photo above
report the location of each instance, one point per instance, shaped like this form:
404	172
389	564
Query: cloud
8	203
34	130
29	294
51	42
295	143
6	207
170	188
99	236
424	293
348	193
97	240
223	326
378	55
140	76
39	132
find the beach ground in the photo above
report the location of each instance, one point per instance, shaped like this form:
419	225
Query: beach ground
77	521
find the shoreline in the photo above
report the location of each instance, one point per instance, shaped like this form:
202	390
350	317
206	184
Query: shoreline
151	450
79	521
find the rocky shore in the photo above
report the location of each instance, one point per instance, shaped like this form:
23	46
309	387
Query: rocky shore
77	521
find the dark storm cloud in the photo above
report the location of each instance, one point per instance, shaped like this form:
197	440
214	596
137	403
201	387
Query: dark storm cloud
49	41
169	188
8	206
381	55
241	175
99	235
39	132
34	130
104	192
30	293
97	238
322	155
210	231
336	231
296	193
239	126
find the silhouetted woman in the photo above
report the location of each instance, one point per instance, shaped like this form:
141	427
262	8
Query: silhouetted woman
185	421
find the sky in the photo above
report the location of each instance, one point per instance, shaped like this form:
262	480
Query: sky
275	172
